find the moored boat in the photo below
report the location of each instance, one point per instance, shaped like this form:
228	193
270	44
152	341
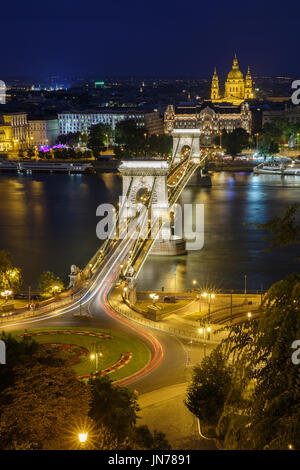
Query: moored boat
277	168
45	167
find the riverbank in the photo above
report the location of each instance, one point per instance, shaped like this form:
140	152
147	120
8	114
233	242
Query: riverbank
234	166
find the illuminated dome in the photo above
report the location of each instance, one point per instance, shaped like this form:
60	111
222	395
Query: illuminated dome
237	89
235	73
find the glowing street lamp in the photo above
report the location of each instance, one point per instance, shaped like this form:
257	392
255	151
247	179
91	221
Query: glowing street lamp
94	357
154	297
209	296
249	315
82	436
6	293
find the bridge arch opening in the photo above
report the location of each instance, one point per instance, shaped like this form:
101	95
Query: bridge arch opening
185	151
142	195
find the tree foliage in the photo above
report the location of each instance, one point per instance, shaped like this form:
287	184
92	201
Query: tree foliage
235	141
50	284
10	275
262	409
43	404
284	230
114	407
72	138
132	140
209	388
98	138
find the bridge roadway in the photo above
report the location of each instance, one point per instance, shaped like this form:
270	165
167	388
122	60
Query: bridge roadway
168	363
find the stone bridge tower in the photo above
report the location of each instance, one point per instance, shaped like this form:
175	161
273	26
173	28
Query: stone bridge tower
140	178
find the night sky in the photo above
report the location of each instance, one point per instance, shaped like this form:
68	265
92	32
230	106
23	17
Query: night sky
148	38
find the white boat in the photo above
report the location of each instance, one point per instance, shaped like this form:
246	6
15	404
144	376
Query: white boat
277	168
45	167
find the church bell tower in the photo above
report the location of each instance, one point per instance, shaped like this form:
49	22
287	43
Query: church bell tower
248	86
214	95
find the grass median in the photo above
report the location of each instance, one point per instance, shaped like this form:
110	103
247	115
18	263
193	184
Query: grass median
111	348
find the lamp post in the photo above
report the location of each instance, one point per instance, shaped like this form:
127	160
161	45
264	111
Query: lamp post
94	356
209	296
197	296
204	331
245	284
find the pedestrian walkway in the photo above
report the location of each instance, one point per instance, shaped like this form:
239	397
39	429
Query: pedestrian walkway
165	411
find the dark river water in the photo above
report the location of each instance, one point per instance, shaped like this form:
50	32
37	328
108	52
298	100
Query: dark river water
49	222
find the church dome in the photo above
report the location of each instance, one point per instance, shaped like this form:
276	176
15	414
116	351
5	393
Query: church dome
235	73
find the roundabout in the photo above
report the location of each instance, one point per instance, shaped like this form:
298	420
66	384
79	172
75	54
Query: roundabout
92	352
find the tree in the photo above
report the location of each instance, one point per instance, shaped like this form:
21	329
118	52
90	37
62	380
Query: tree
10	275
135	141
144	439
130	139
44	404
97	139
284	230
210	385
73	139
50	284
159	145
235	141
114	412
17	353
262	409
30	153
113	407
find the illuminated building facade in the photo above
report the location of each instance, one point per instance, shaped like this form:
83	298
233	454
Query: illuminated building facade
237	89
209	118
43	132
81	121
14	132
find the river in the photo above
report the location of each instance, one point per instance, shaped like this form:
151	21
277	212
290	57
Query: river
49	222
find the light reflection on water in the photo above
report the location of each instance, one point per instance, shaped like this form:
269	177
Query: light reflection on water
231	249
49	222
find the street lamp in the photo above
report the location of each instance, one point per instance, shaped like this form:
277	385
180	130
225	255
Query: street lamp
82	436
6	293
209	296
249	315
94	356
154	297
204	331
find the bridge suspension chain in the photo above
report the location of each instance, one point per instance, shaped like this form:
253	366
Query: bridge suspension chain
135	248
104	248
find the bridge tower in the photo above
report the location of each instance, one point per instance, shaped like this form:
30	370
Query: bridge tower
148	179
142	178
189	138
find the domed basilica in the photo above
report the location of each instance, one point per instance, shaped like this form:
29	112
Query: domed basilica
237	89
